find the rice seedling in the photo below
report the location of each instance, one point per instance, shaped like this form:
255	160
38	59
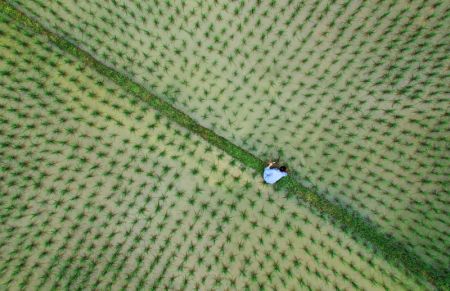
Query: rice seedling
124	172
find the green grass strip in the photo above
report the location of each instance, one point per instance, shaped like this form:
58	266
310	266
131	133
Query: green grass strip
350	222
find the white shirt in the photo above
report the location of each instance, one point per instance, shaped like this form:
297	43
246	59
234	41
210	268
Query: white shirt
273	175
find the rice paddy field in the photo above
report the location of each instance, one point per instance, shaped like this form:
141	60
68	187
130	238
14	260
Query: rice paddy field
154	183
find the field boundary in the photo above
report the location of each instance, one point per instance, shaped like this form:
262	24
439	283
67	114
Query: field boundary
350	222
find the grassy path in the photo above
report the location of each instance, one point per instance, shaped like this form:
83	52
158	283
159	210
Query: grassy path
350	222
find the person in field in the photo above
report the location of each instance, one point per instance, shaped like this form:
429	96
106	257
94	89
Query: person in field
272	173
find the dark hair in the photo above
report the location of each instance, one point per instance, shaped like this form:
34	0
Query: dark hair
283	169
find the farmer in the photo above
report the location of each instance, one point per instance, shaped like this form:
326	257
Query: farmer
273	174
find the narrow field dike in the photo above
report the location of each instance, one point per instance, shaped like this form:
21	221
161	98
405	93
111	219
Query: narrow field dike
133	138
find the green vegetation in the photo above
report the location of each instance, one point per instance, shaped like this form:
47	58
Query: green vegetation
352	95
101	192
